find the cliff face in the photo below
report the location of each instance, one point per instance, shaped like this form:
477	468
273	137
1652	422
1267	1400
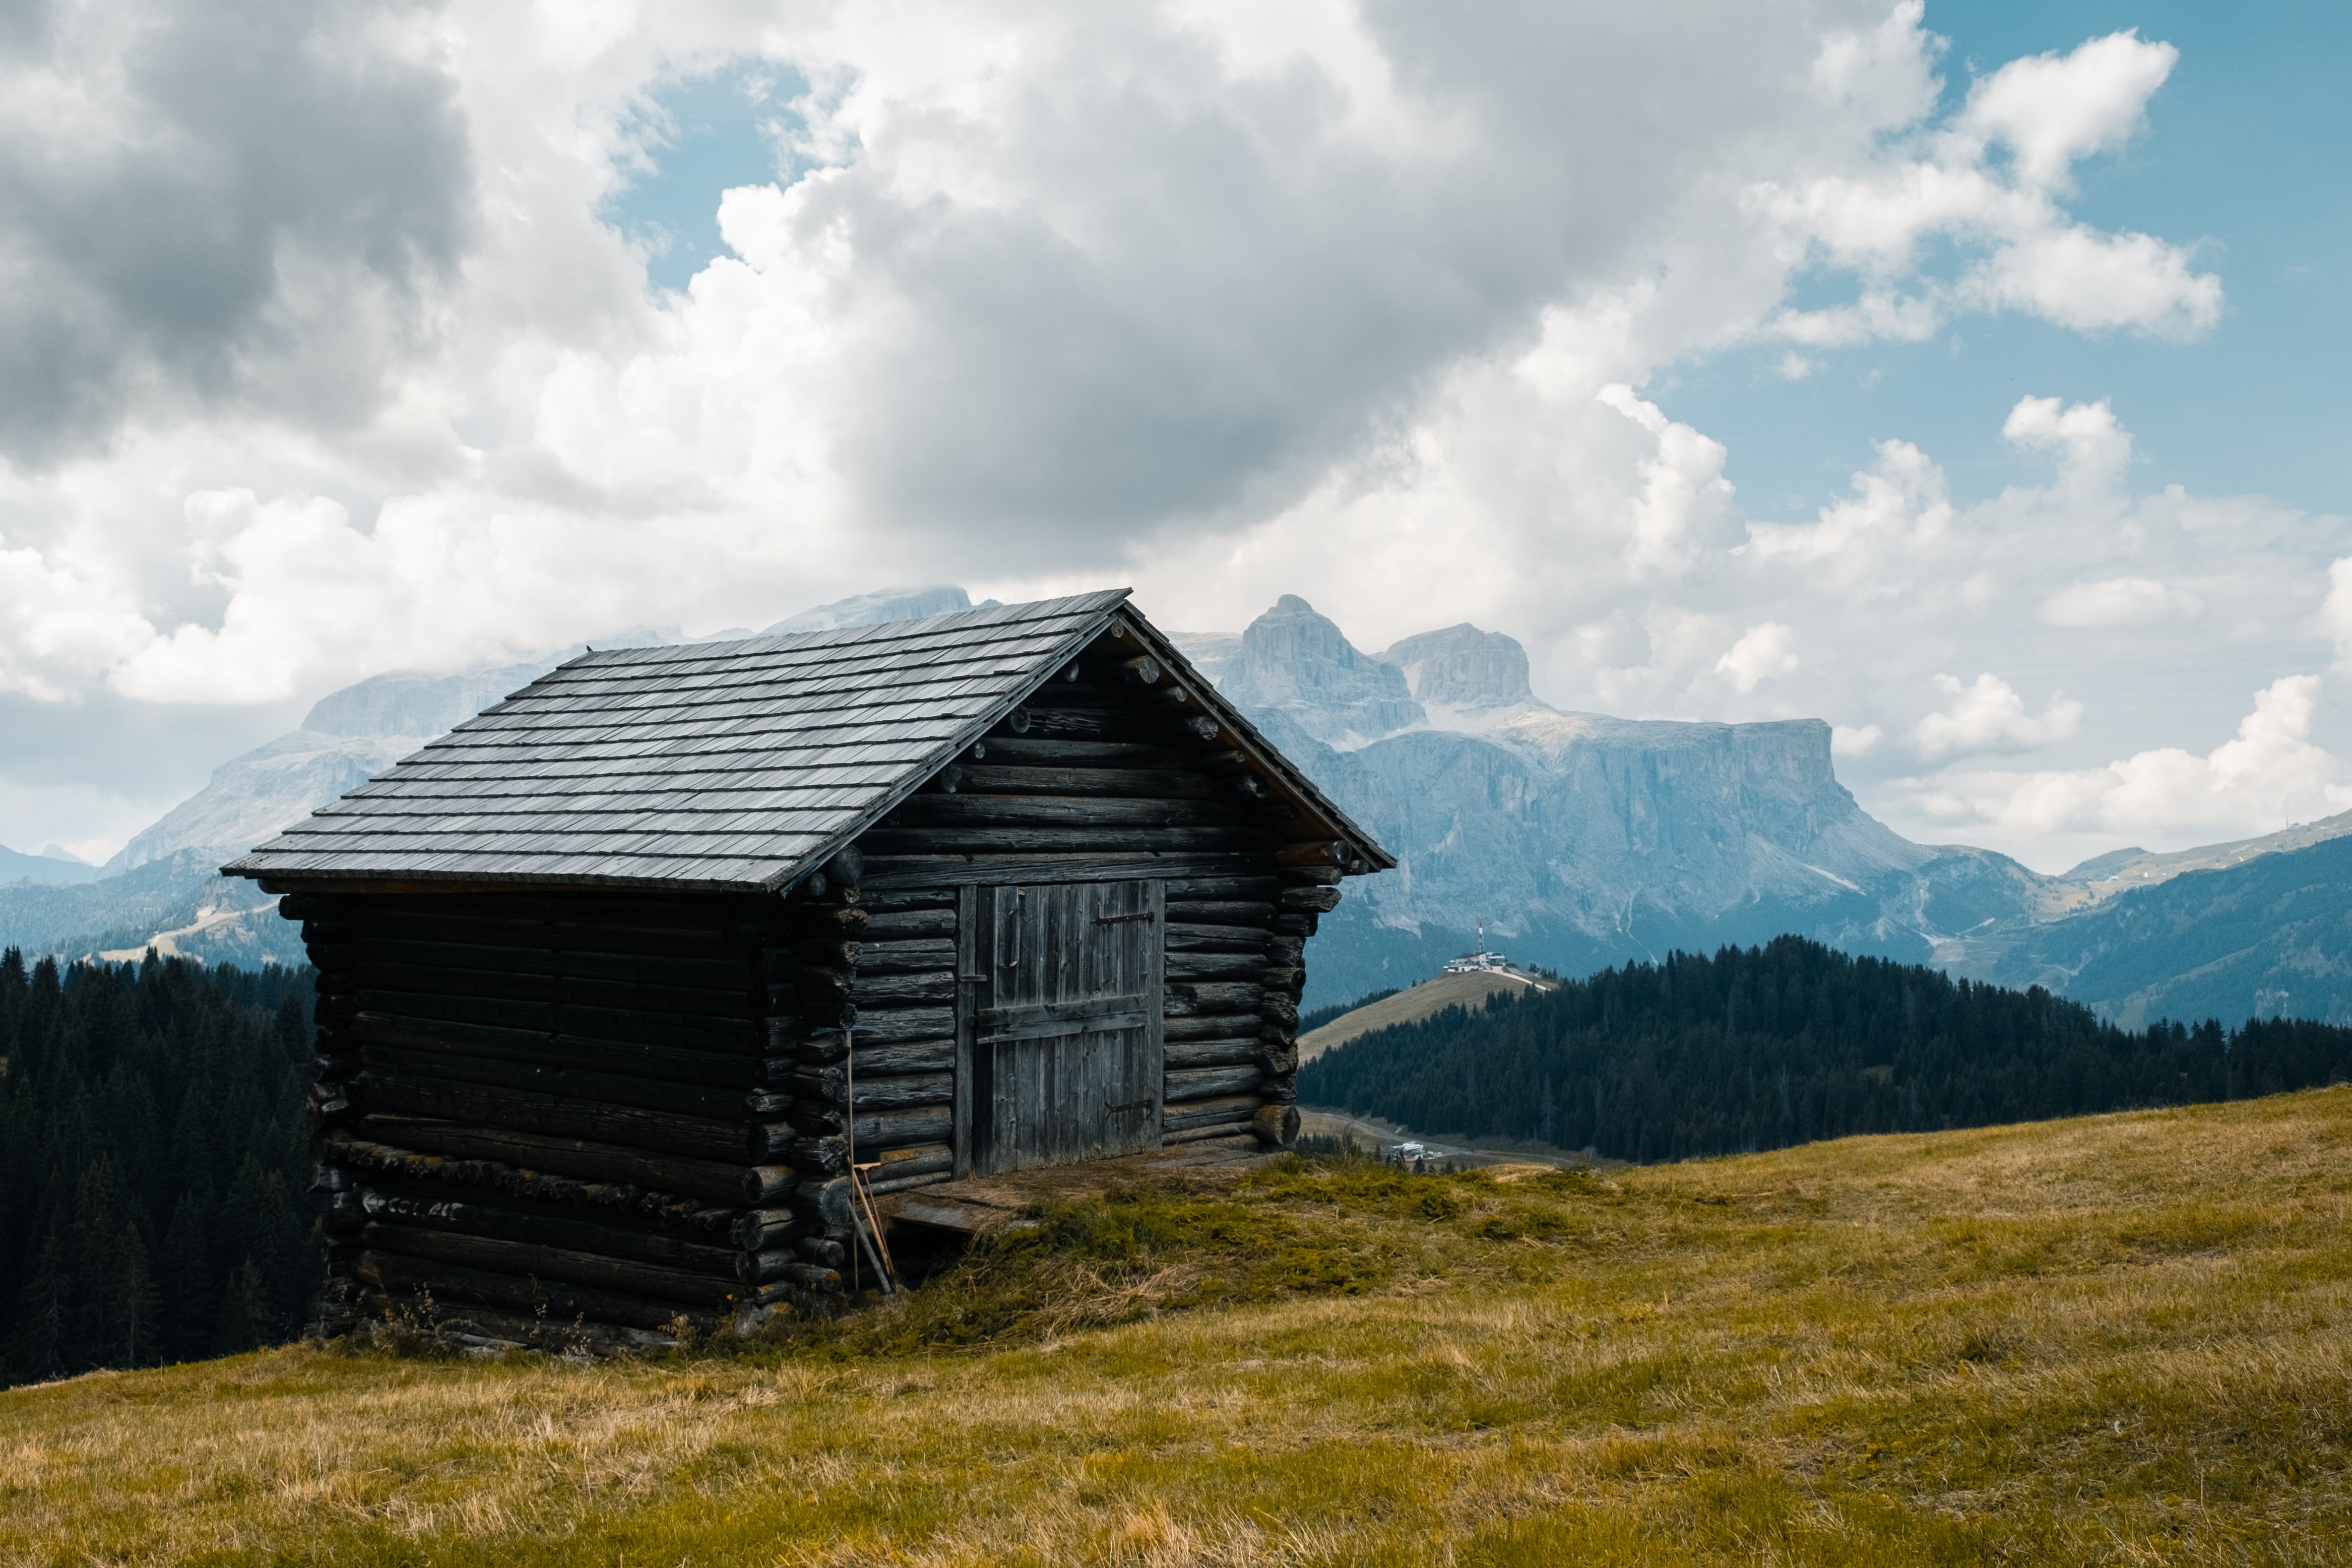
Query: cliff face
1581	840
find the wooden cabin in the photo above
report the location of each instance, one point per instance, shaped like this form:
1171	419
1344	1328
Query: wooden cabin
618	980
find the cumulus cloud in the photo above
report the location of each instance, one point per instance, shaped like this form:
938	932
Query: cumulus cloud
2120	601
1989	181
1855	739
242	207
1762	653
1988	716
1210	297
2053	110
2270	774
2336	611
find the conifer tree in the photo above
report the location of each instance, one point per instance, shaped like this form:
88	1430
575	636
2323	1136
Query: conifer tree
131	1305
37	1339
1759	1047
242	1323
185	1266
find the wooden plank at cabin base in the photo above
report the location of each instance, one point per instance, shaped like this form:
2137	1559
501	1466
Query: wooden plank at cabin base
346	1162
943	1216
443	1212
468	1322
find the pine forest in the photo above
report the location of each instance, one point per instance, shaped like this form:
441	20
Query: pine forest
1762	1048
153	1127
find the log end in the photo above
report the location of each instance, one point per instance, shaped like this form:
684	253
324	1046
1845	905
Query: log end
1277	1126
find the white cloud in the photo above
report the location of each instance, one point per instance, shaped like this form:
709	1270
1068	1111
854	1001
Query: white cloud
2120	601
2053	110
1224	300
2268	776
59	622
1988	716
1945	184
1761	653
2336	610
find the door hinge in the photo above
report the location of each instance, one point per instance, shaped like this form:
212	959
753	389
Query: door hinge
1121	919
1130	1105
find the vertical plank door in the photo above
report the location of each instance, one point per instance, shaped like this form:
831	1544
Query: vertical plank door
1067	1037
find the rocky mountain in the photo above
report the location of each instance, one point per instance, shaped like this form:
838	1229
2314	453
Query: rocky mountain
2265	932
347	738
873	608
1581	839
164	887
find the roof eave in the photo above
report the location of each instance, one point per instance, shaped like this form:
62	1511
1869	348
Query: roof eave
1267	755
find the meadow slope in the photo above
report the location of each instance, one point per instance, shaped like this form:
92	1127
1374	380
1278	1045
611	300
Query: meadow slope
2121	1339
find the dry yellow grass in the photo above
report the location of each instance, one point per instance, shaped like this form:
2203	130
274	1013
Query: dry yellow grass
2116	1340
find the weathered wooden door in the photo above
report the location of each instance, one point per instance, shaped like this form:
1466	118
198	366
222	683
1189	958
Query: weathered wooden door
1063	1016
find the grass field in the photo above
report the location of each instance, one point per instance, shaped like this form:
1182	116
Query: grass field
2116	1340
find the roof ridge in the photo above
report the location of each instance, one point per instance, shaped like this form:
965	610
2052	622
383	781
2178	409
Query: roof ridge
1089	603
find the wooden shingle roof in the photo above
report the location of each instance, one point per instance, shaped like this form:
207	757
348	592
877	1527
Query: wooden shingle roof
728	767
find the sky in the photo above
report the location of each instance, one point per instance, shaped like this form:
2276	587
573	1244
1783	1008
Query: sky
1961	375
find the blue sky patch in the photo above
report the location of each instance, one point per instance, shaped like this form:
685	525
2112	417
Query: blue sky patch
704	135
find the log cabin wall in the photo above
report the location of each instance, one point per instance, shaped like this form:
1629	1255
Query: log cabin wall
544	1111
1104	773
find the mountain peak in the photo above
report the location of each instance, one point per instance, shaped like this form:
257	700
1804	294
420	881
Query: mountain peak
1464	668
872	608
1296	662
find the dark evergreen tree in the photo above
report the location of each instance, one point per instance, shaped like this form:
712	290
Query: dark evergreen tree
185	1331
36	1339
131	1306
243	1322
152	1162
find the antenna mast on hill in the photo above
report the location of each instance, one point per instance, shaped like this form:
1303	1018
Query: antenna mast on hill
1480	962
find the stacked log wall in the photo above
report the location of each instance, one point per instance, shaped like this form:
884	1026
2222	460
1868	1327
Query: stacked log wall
564	1110
1111	769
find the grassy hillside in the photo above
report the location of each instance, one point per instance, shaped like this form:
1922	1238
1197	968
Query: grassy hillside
2126	1339
1412	1005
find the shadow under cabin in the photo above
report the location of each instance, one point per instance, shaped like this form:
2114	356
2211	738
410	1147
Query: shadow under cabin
622	979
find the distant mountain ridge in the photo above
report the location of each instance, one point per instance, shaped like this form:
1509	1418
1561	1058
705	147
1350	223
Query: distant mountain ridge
1582	839
52	867
2268	932
1585	841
